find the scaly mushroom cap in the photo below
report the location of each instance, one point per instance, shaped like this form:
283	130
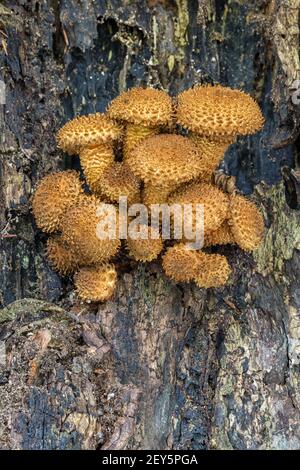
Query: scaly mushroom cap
165	160
221	236
61	257
96	283
144	250
218	111
118	180
94	162
182	264
214	272
79	230
216	203
246	223
145	106
55	194
87	131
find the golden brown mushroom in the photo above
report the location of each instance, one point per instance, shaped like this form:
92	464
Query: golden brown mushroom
145	110
55	194
163	162
118	180
147	249
182	264
216	115
87	131
61	257
246	223
215	202
214	272
79	230
96	283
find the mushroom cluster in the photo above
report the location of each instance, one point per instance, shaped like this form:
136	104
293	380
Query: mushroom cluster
154	150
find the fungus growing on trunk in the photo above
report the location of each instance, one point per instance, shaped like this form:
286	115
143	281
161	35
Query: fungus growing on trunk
96	283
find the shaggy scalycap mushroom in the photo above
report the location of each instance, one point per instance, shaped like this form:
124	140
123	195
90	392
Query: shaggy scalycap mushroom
145	106
61	257
144	250
246	223
79	230
164	162
218	112
118	180
222	236
87	131
182	264
215	202
55	194
96	283
145	110
214	272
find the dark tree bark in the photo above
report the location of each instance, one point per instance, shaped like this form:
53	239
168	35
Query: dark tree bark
160	366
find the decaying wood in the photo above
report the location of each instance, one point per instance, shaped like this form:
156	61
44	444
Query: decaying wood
160	366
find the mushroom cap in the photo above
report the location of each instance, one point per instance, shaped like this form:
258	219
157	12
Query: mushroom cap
182	264
246	223
87	131
61	257
94	162
96	283
165	160
145	106
79	230
215	202
144	250
55	194
214	272
218	111
222	236
118	180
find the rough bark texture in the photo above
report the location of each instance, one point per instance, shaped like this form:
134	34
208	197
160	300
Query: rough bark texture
161	366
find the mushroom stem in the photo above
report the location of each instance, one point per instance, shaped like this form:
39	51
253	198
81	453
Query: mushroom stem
134	134
94	162
212	153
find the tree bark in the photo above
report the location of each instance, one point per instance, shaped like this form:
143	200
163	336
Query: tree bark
160	366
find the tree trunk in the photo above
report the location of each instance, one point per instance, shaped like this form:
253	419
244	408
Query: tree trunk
160	366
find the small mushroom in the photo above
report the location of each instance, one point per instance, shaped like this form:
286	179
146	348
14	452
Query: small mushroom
246	223
79	231
216	115
118	180
87	131
61	257
215	202
96	283
164	162
144	249
182	264
55	194
215	271
145	111
222	236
